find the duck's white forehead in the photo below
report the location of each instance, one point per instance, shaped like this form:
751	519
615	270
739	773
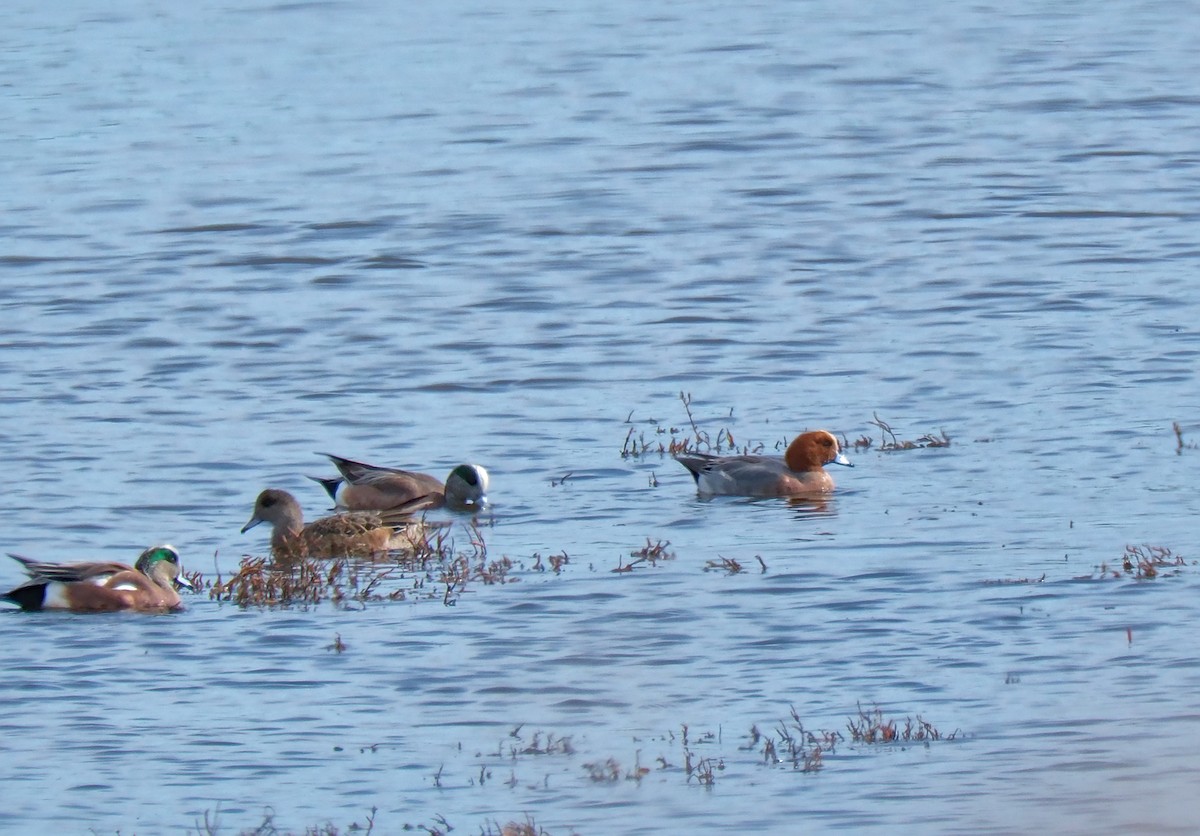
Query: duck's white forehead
483	475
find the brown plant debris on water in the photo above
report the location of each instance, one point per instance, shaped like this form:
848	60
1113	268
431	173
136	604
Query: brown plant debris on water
604	772
703	769
556	561
211	826
1180	444
609	771
872	727
724	564
681	440
261	582
1145	561
196	578
435	569
515	828
796	745
1141	563
649	554
550	745
891	442
1016	580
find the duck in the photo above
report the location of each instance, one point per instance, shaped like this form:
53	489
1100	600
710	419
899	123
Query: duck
372	487
801	471
354	533
150	585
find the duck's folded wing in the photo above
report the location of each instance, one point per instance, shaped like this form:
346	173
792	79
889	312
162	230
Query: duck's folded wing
405	511
735	465
697	463
356	472
70	572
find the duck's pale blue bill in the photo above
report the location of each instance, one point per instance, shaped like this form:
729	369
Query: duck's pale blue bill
840	458
183	583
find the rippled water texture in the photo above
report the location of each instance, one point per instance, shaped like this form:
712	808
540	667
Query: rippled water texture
429	233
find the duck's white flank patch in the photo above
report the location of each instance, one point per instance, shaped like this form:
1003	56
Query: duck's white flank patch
55	597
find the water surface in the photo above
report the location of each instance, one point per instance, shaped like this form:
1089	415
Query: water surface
238	235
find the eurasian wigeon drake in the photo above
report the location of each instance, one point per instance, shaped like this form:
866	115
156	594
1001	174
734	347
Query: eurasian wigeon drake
801	471
355	533
372	487
147	586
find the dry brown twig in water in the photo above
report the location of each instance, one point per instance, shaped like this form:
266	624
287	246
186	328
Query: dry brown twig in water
1180	444
873	727
890	442
650	553
725	564
636	444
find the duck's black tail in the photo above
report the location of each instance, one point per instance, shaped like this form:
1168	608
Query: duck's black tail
29	596
329	483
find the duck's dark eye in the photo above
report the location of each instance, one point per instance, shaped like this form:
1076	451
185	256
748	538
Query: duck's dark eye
267	501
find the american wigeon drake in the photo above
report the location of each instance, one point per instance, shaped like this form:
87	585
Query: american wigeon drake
149	585
801	471
353	534
372	487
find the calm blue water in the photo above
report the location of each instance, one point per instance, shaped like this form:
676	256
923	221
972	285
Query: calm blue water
429	233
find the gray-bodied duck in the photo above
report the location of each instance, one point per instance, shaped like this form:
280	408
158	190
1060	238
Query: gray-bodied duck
801	471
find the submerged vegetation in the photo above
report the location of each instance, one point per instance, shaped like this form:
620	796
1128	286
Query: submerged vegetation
1180	444
1139	562
672	440
439	826
682	755
681	440
649	554
873	727
436	568
890	441
1143	563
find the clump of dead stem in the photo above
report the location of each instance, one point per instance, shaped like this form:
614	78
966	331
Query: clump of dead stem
1017	580
796	745
873	727
211	826
515	828
552	744
700	768
890	442
703	768
1143	563
681	440
434	568
731	565
649	554
1180	444
439	826
671	440
556	561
